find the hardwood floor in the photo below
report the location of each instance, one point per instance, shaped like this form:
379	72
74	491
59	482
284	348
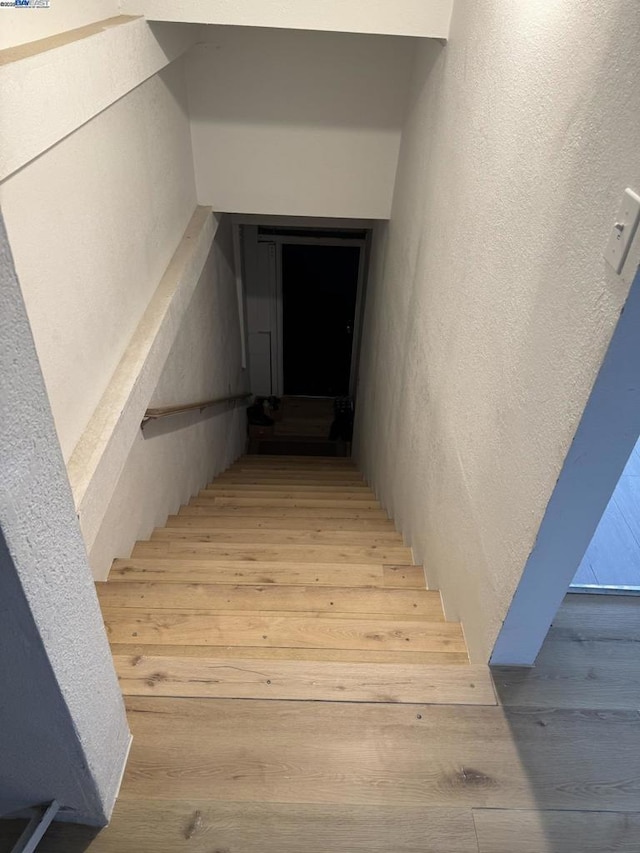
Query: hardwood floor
282	705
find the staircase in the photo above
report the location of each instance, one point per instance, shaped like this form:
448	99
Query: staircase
283	579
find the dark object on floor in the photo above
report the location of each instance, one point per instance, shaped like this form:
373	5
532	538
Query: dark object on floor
257	415
342	426
275	408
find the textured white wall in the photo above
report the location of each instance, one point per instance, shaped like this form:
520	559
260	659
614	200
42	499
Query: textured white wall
297	123
491	306
402	17
93	223
63	732
176	457
18	26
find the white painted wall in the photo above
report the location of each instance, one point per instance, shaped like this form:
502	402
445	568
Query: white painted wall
174	458
50	88
63	732
427	18
18	26
491	307
101	454
93	223
297	123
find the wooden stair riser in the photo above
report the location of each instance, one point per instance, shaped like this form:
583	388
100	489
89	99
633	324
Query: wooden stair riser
311	465
271	460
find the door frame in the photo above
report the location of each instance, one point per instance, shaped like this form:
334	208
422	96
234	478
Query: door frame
277	342
239	220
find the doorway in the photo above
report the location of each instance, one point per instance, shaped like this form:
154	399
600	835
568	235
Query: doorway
602	447
319	292
611	563
303	285
304	295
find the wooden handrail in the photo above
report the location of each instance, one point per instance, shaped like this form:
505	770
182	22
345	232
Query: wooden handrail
167	411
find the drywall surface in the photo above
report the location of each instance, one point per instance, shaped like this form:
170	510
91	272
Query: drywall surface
101	453
297	123
50	88
429	18
174	458
63	731
93	223
20	25
490	307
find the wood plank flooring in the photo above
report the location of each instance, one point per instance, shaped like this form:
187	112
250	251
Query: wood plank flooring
541	831
283	705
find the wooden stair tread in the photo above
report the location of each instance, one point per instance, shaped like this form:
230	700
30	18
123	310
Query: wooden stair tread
254	507
266	654
257	572
203	609
229	677
414	603
257	538
256	500
364	496
278	519
276	478
184	528
297	553
278	511
126	625
274	489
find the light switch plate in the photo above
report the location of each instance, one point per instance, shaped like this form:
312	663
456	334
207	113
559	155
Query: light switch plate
623	231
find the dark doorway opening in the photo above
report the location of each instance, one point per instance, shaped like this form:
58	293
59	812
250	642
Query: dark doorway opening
319	290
